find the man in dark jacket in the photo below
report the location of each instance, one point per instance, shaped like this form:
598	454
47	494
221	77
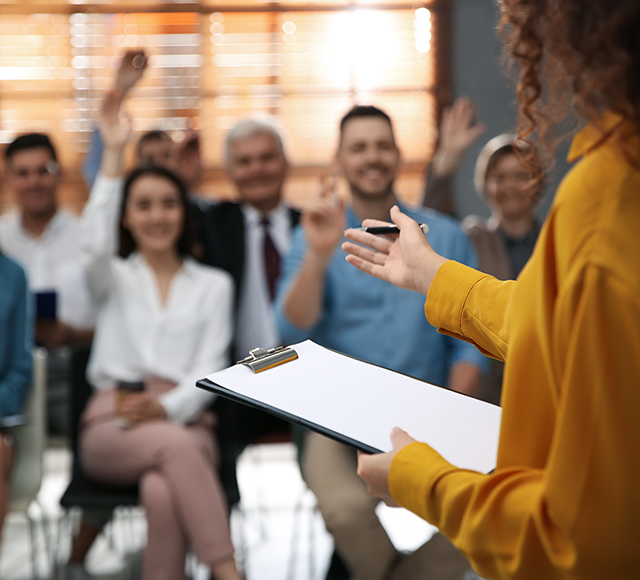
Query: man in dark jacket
247	239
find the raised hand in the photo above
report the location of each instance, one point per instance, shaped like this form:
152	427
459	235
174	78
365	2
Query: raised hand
115	130
406	260
374	469
457	134
323	225
114	122
323	222
132	67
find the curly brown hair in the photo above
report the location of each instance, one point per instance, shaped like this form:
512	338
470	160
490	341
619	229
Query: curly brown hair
577	57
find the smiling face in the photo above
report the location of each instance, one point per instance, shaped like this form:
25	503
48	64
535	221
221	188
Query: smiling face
33	176
154	214
257	167
510	188
368	157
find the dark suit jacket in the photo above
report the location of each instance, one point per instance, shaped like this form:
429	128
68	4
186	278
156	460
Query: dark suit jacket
221	232
222	238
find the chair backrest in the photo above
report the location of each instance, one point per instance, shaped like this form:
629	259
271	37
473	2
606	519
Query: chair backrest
30	440
81	392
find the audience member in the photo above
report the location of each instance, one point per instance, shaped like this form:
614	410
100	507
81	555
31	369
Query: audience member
562	501
15	361
323	298
512	188
247	240
44	239
163	320
458	132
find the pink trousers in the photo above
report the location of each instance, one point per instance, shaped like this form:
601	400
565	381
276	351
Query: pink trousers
174	466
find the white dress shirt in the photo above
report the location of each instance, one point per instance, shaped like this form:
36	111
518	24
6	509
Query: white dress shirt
256	319
52	263
136	336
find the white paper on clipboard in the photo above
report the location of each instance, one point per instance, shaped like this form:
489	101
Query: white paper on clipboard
359	403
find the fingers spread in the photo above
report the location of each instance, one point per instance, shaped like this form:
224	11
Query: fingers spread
365	253
366	267
379	243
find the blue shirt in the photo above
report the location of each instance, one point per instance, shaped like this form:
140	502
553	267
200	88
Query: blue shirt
376	321
15	338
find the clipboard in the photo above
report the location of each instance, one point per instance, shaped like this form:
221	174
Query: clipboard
358	403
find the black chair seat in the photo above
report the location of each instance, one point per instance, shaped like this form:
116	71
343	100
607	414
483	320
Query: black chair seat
87	493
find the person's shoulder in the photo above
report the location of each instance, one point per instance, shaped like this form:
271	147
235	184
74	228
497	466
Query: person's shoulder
9	219
595	213
12	270
215	207
473	224
68	219
473	221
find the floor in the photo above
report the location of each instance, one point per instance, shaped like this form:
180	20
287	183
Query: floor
278	533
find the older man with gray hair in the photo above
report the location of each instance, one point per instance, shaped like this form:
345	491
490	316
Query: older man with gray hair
247	239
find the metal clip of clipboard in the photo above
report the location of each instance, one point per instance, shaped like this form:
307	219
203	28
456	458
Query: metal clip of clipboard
260	359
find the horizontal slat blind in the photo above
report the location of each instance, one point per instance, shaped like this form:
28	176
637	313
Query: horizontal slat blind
304	63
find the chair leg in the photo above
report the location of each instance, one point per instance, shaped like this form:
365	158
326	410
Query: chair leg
32	546
241	546
66	530
298	514
34	541
46	538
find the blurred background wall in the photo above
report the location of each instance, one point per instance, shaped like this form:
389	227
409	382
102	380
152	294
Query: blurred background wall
212	64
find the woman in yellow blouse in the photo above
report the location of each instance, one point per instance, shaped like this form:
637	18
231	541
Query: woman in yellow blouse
563	502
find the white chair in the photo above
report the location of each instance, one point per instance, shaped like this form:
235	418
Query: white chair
30	443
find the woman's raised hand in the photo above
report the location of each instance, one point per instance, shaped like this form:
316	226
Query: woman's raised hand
406	259
115	130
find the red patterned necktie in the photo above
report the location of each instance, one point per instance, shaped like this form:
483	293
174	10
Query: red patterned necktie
271	258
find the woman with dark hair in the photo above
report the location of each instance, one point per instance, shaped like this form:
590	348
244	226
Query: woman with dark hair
163	322
563	501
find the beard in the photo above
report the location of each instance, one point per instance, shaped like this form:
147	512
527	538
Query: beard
378	195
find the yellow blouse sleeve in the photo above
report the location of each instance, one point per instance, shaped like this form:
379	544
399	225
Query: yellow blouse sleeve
458	295
577	517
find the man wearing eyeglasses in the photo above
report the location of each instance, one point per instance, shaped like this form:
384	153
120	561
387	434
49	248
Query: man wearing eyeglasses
44	239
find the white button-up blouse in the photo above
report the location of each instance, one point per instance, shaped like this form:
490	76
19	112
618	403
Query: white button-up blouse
136	336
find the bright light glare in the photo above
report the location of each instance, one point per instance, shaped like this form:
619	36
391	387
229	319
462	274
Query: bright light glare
362	49
421	24
423	46
423	35
289	27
